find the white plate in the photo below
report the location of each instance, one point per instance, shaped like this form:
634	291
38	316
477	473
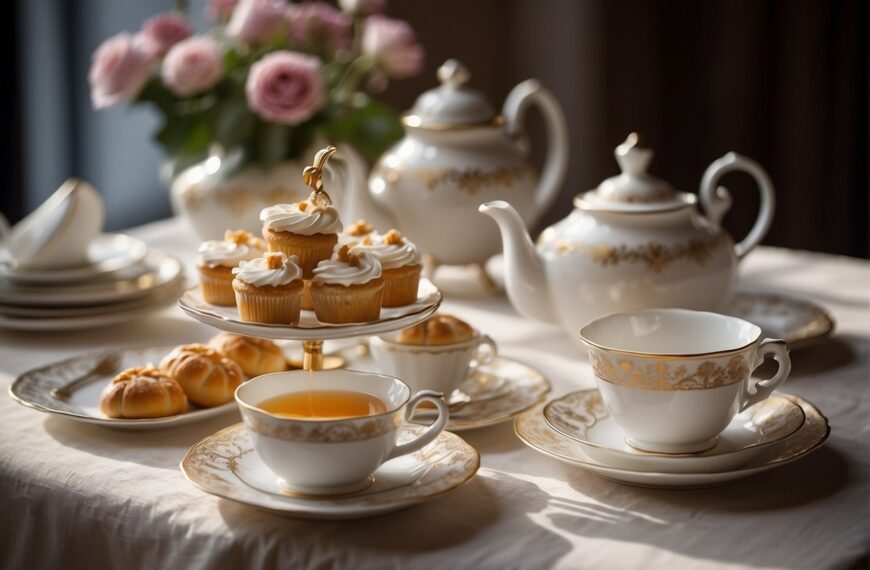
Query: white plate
583	417
532	428
309	328
226	465
107	253
33	389
156	271
799	323
161	299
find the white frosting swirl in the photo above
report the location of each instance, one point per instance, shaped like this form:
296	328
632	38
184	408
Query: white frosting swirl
257	272
312	220
338	272
391	256
226	253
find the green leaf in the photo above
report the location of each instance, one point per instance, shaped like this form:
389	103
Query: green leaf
234	123
371	129
273	143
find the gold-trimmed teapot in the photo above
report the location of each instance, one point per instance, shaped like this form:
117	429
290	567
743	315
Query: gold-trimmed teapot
632	243
457	153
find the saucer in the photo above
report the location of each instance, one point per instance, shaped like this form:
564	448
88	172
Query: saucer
158	270
33	389
532	428
800	323
583	417
107	253
308	327
494	393
225	464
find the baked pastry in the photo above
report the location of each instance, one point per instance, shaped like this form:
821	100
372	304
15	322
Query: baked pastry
216	261
356	232
255	356
308	229
400	263
348	289
269	289
439	329
207	377
142	392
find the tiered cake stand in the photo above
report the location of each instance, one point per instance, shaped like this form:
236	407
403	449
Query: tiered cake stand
309	330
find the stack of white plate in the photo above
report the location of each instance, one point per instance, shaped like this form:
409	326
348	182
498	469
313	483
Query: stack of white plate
123	280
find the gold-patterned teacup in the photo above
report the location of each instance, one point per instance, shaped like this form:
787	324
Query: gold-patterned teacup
332	456
673	379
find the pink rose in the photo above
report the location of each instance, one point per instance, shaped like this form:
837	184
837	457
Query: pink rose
285	87
318	21
362	7
119	69
220	10
394	44
257	21
164	31
193	66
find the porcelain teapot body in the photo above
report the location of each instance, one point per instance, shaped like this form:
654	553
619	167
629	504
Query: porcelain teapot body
621	250
458	153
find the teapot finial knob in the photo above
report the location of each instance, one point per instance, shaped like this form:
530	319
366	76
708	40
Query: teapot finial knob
453	73
633	155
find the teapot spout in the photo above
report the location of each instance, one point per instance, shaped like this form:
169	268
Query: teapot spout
351	175
525	276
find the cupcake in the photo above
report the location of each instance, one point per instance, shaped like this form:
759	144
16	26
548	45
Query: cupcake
216	261
400	263
269	289
348	289
308	229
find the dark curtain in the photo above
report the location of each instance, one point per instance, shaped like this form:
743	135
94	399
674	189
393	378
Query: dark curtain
784	82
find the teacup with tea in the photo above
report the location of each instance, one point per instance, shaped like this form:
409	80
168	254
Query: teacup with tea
331	439
437	354
673	379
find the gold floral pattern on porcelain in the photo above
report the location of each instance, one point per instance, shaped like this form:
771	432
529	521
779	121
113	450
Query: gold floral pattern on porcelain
240	199
670	375
656	256
472	180
323	432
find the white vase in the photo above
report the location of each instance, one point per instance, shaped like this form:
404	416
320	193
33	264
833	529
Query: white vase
213	200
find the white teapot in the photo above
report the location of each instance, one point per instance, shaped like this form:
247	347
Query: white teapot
632	243
457	153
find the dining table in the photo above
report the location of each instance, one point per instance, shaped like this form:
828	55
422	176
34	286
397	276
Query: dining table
75	495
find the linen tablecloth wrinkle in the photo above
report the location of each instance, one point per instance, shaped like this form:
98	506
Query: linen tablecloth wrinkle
75	495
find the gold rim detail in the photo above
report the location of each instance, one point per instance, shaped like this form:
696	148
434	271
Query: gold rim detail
661	376
655	256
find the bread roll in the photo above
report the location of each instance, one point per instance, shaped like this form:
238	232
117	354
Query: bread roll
142	393
208	378
255	356
440	329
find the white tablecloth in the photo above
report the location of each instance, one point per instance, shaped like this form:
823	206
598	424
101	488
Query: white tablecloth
74	495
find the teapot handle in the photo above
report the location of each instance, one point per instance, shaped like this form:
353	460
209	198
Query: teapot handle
717	200
529	92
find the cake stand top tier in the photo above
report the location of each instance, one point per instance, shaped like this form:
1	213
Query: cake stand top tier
309	328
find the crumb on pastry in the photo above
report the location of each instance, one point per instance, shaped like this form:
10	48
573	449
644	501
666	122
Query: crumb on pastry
274	260
393	237
130	373
360	228
303	205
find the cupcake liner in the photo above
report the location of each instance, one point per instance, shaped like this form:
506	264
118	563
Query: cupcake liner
338	304
281	309
217	286
309	250
400	285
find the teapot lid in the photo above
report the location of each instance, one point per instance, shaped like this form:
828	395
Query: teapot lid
634	190
451	104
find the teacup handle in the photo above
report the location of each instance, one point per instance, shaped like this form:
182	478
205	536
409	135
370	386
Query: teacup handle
759	390
482	357
434	430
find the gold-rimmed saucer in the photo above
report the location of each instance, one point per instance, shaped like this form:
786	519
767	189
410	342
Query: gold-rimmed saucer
799	322
532	428
583	417
225	465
